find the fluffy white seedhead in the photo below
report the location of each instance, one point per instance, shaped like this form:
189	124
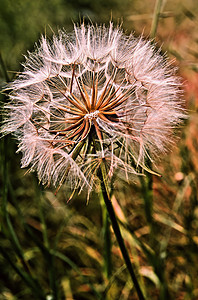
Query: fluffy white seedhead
90	97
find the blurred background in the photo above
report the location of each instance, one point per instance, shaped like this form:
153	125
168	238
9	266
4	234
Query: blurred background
51	249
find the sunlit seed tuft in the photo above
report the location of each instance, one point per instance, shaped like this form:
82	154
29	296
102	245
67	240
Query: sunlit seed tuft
93	96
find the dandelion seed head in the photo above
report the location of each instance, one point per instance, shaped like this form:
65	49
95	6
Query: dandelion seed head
90	96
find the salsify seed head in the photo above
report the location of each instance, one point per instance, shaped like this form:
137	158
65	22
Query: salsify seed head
92	96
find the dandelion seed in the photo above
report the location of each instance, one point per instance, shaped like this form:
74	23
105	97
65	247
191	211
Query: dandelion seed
94	95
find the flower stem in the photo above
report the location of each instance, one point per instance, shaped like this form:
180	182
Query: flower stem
117	232
5	73
107	240
156	16
49	258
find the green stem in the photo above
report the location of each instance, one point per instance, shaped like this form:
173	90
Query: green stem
117	232
156	16
49	258
4	68
107	240
9	231
147	193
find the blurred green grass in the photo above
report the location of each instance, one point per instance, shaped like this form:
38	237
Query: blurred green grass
51	247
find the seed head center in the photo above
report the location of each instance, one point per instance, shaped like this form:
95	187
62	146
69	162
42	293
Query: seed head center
92	115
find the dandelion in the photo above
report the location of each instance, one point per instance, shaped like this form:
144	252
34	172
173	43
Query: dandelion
90	96
90	103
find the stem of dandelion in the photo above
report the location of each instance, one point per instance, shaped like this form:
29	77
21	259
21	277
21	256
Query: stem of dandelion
107	240
117	232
